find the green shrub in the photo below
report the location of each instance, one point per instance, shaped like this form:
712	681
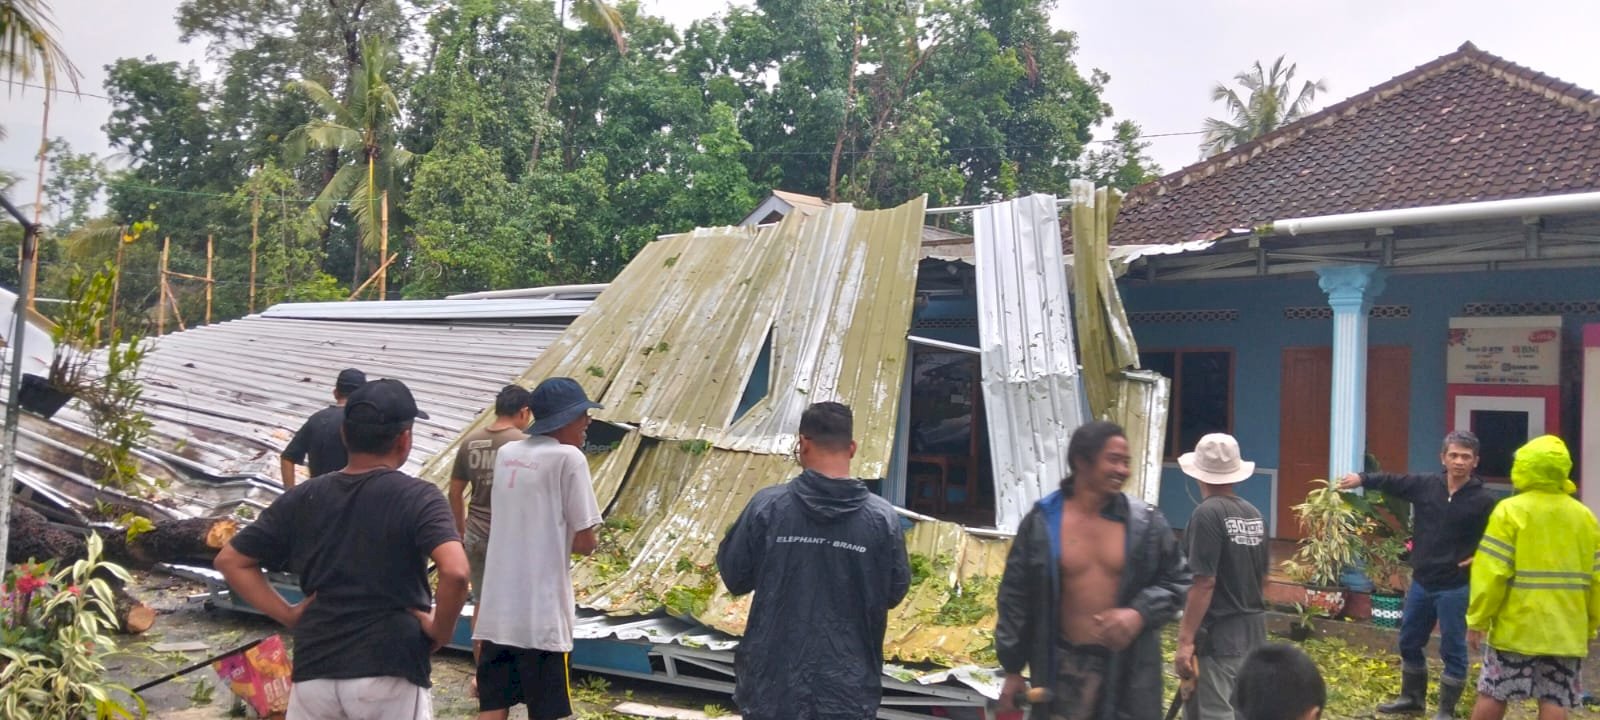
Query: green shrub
56	630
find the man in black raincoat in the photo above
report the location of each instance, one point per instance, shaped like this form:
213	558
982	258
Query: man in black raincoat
1092	577
827	560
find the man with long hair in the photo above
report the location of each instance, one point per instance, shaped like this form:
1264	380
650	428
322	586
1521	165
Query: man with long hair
1092	577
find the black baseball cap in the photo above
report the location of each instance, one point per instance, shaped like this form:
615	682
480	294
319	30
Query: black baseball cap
382	402
349	380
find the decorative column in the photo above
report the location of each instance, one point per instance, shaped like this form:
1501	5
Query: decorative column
1350	289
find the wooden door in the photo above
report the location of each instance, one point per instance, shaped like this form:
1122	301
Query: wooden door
1389	406
1304	406
1305	399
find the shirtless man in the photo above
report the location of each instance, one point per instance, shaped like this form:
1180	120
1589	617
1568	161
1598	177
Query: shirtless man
1092	577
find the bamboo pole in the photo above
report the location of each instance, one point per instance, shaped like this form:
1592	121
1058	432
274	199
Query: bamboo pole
185	276
116	279
177	312
32	263
161	302
255	222
210	280
383	249
372	277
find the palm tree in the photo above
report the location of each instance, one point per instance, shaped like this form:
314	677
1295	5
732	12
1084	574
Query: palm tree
363	133
1267	107
596	14
28	45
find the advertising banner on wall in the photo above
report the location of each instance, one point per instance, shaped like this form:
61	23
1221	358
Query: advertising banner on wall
1504	351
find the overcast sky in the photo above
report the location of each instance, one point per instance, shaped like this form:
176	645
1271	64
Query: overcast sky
1163	57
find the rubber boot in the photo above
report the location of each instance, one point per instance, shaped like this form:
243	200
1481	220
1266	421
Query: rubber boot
1413	694
1449	696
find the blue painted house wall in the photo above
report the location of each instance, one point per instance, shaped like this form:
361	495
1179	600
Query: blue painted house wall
1261	333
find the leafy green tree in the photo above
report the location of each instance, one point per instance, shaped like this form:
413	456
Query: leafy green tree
1123	162
364	132
595	14
321	39
908	159
467	229
289	255
73	183
162	122
1019	110
718	190
1270	102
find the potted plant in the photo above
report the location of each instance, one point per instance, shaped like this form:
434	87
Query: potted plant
1390	577
1330	542
1302	628
76	333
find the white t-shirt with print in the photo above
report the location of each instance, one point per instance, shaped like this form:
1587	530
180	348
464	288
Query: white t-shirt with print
542	495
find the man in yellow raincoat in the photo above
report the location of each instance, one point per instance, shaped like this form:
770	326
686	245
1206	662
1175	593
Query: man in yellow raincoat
1535	588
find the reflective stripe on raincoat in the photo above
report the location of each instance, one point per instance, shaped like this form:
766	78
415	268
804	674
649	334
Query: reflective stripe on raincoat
1536	576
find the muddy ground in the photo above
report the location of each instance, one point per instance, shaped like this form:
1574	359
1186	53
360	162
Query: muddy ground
186	618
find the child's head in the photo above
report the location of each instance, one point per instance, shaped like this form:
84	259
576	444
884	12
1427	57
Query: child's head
1279	682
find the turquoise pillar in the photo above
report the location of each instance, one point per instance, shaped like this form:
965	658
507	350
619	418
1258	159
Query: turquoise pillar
1351	290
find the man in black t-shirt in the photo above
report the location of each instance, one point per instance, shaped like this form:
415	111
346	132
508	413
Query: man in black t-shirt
1224	619
360	540
318	443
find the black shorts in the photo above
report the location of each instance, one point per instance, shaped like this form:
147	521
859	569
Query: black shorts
511	675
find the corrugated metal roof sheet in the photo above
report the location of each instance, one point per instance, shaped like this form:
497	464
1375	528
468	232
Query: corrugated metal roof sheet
840	332
432	310
224	399
1030	367
586	291
1136	401
669	347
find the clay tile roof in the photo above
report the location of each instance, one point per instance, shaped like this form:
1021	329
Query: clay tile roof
1466	127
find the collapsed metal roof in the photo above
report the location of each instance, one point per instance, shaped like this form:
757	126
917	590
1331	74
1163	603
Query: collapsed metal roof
560	311
224	399
669	349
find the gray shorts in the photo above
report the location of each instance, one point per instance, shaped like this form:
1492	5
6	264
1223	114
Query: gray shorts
1509	677
370	698
1213	693
477	554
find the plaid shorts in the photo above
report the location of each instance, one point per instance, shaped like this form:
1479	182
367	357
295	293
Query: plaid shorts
1080	671
1509	677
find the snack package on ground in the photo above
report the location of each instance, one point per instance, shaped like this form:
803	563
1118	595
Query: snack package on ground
259	676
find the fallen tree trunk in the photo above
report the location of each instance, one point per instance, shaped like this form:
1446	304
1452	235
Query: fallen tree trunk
195	539
33	537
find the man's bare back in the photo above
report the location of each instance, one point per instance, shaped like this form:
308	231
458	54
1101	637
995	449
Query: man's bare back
1092	555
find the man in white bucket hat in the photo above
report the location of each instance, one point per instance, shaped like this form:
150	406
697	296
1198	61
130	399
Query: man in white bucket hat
1223	620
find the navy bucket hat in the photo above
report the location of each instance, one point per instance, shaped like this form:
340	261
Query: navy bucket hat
556	403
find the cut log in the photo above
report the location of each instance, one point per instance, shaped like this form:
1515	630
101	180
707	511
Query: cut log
134	617
194	539
34	538
189	539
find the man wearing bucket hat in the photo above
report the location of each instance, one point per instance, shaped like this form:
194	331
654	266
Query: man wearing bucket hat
544	512
1223	619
